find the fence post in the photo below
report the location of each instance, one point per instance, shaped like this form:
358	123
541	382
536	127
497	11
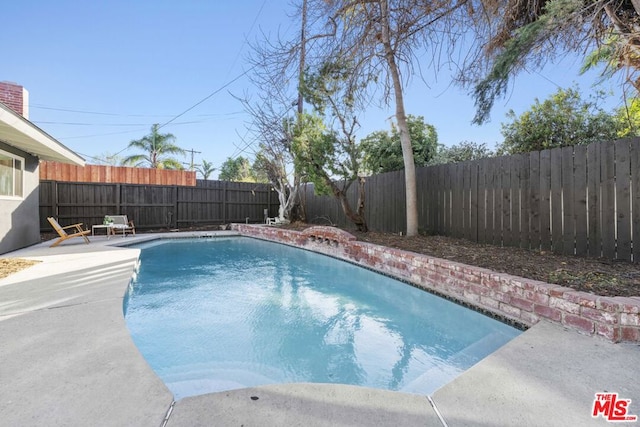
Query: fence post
268	200
54	199
224	202
175	206
118	197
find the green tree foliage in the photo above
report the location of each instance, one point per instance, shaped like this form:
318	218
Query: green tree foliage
205	169
324	144
564	119
462	152
627	119
314	150
515	35
382	151
238	170
157	148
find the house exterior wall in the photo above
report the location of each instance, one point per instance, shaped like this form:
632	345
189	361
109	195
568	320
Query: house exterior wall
19	217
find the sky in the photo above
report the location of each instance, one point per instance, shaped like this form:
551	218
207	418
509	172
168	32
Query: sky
101	73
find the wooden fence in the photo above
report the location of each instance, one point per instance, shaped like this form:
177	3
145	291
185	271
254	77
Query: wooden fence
156	206
55	171
582	200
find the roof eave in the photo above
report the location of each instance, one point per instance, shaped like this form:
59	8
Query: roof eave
20	133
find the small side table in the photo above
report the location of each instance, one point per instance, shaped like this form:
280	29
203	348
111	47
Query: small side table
107	227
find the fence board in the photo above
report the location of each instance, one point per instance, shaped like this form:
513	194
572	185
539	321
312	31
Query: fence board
523	198
432	188
505	196
442	207
473	200
466	201
568	220
482	200
593	199
456	200
545	200
447	200
580	199
514	195
607	169
534	199
623	204
634	157
556	201
495	203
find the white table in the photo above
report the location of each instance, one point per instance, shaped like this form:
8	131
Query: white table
108	227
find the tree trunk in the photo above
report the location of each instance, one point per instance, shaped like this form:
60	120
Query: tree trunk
357	218
405	138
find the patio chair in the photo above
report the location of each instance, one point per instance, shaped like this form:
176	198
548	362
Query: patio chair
277	221
120	223
76	231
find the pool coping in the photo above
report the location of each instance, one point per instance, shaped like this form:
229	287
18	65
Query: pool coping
71	361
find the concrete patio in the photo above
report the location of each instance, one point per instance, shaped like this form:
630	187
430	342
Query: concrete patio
67	358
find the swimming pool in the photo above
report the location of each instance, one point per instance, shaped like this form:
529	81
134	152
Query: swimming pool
218	314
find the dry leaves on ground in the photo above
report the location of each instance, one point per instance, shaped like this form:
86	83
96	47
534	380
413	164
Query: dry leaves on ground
13	265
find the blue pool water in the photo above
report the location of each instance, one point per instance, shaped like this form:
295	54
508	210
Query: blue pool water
218	314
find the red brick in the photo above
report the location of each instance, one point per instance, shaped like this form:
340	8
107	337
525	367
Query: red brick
500	296
545	288
588	300
536	297
489	302
559	291
581	298
510	310
471	297
630	333
548	312
610	332
629	305
529	285
455	287
478	290
521	303
529	318
608	304
579	323
507	287
569	307
628	319
599	315
490	282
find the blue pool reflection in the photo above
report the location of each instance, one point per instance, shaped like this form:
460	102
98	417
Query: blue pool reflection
218	314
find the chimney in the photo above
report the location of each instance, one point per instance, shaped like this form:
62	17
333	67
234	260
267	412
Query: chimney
15	97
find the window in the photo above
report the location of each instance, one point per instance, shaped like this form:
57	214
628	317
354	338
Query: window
11	175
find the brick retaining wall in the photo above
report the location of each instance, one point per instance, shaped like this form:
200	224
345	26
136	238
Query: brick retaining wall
521	300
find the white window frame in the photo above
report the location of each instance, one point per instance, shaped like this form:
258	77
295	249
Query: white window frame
13	157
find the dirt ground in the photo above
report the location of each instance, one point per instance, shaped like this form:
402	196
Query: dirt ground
597	276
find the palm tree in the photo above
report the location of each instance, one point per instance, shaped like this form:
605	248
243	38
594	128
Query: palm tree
156	147
205	169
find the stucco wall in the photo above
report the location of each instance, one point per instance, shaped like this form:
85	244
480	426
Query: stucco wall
20	219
